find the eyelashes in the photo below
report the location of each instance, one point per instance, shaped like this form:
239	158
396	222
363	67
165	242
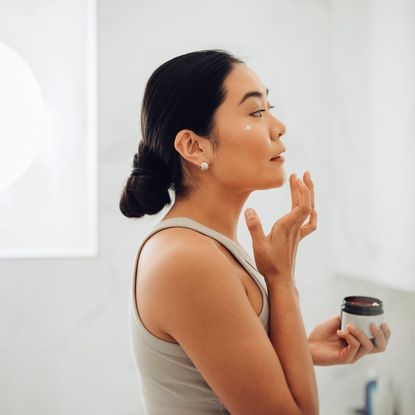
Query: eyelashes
261	111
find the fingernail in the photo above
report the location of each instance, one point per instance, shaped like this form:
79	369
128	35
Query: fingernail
249	213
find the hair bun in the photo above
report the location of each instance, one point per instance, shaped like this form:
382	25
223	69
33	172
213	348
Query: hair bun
152	177
146	192
139	171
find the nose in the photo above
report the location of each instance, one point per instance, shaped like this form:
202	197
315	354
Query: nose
278	128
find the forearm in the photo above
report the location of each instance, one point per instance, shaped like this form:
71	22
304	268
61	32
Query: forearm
288	336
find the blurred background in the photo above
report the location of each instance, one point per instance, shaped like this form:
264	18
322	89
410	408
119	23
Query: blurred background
341	76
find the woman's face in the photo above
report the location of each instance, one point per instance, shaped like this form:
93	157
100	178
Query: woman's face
249	136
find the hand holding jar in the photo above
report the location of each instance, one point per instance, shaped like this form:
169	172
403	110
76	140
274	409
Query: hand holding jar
357	331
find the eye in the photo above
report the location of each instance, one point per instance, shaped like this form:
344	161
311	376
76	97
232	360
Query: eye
261	111
257	112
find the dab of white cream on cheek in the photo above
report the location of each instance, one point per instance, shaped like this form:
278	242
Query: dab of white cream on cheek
247	127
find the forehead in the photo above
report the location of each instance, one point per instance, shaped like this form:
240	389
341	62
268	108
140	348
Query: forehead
240	80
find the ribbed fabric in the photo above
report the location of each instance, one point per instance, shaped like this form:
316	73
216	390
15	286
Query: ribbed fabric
170	383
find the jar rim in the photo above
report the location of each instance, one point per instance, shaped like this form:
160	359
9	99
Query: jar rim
362	305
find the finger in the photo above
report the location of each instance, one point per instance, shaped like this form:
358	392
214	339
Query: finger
379	340
304	208
309	183
386	331
299	213
254	225
348	353
312	222
311	226
366	346
295	194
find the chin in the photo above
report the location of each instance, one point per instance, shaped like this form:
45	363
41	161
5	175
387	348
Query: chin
279	183
279	180
275	183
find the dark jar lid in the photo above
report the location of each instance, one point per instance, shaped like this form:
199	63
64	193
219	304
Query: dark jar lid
362	306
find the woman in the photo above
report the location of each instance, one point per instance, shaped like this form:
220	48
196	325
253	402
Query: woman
207	337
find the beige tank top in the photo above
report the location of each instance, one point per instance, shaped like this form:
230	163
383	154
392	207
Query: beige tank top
170	382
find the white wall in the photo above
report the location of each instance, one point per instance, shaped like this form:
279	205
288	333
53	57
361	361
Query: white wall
67	347
372	61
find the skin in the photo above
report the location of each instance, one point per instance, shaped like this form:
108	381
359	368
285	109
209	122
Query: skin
248	139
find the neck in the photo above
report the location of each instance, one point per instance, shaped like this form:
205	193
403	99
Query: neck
214	209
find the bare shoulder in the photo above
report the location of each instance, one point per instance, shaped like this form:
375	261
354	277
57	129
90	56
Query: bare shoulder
174	244
176	254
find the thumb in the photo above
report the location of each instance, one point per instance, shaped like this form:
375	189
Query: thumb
254	224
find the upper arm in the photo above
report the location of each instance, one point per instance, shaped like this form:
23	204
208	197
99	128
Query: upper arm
206	309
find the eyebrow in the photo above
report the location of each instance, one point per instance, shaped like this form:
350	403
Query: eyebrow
252	94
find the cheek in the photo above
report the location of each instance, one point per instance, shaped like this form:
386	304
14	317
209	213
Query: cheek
248	134
254	141
245	145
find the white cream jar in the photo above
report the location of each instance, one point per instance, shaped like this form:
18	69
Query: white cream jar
360	311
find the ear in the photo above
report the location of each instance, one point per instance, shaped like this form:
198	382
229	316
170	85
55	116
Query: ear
193	147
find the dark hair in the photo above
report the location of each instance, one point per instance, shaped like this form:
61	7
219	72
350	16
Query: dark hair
182	93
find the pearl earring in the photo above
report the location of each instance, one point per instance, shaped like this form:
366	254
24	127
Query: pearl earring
204	165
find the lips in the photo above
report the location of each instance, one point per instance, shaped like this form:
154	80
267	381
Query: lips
278	156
